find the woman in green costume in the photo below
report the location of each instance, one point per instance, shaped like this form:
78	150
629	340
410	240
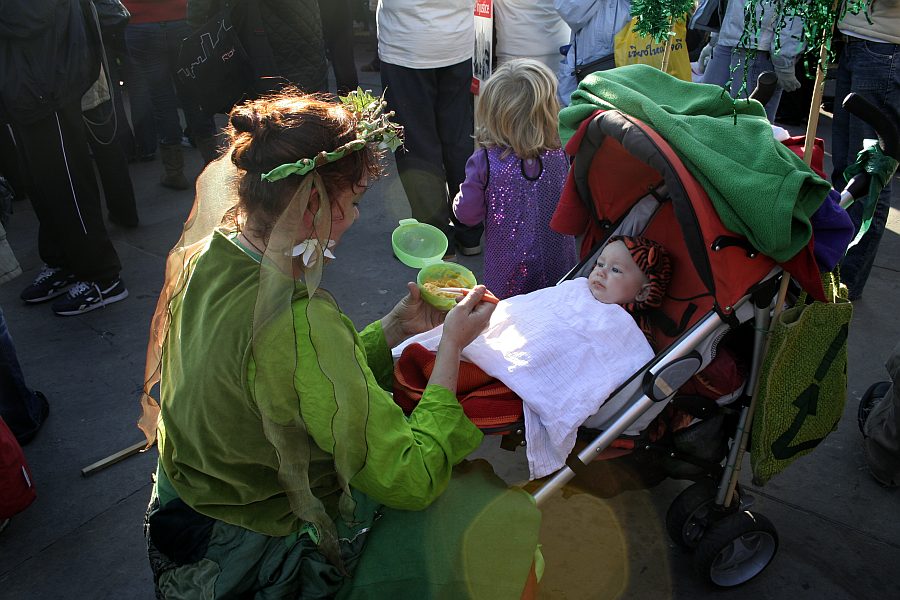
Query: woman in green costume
285	468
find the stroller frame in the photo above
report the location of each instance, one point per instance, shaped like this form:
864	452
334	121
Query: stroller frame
705	516
650	389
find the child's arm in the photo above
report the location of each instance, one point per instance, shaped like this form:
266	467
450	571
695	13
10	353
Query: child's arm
470	204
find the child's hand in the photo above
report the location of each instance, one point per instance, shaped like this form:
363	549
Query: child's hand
410	316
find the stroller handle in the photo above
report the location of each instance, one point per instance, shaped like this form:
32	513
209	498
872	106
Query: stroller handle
887	138
765	87
884	128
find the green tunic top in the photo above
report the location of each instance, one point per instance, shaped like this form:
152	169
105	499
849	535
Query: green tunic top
211	441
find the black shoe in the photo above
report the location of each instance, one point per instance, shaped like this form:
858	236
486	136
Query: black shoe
85	296
25	438
469	250
873	396
49	283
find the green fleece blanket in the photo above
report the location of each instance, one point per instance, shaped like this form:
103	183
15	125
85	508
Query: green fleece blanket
758	186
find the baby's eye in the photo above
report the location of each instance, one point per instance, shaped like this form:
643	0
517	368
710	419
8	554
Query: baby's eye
600	265
616	270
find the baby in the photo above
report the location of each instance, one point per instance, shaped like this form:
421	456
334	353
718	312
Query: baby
633	272
563	350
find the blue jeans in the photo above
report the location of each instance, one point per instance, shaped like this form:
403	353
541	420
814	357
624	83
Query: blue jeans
20	407
727	60
872	70
153	48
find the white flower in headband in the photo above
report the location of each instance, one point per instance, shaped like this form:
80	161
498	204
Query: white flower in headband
310	249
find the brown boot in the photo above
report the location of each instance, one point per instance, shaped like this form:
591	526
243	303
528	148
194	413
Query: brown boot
173	166
208	147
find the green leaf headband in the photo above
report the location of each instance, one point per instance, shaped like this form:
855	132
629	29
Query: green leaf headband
373	125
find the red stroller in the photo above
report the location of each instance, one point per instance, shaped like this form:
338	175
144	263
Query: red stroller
722	285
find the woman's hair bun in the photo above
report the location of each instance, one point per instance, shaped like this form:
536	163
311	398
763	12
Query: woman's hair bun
246	122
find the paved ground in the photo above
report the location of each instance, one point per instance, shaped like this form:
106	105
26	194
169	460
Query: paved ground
839	532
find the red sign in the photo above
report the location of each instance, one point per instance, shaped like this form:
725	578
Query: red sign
484	42
484	8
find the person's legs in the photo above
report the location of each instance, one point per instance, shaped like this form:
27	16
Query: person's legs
860	258
201	126
337	29
23	409
11	164
840	126
72	234
117	56
882	429
876	77
455	127
717	69
68	202
112	165
141	109
189	552
412	94
147	45
760	63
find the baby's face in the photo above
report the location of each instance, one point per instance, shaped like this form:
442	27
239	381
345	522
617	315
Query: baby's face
615	278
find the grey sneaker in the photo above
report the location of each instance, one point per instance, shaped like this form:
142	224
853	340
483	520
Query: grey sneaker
85	296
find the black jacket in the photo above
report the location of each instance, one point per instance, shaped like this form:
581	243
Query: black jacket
48	57
286	32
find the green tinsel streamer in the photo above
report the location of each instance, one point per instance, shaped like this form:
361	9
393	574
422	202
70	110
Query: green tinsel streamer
656	17
819	18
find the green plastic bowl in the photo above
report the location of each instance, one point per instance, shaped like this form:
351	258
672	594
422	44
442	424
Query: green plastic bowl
418	244
443	271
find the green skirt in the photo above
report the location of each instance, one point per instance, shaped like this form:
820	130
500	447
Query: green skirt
477	540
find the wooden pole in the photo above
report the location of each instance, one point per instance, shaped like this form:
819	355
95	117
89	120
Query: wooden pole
667	54
812	122
809	143
114	458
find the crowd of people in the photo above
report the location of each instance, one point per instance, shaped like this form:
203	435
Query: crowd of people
330	467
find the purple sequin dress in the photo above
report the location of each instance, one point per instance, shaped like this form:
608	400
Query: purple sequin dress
515	199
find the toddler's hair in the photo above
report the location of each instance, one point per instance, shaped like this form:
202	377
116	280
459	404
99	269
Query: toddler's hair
518	109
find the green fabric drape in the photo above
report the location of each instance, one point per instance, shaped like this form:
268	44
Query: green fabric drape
759	187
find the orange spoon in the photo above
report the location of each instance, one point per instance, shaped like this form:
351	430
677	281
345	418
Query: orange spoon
488	297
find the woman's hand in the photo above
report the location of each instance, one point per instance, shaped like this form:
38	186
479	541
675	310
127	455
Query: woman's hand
412	315
463	324
467	319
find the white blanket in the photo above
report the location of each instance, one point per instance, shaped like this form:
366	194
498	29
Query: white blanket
563	353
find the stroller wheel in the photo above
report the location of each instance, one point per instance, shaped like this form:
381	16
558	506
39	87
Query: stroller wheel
736	549
691	513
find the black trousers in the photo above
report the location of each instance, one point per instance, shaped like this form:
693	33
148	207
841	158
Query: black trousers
104	134
10	164
435	108
65	197
337	29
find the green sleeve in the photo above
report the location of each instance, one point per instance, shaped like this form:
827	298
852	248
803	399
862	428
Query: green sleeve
378	354
403	463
